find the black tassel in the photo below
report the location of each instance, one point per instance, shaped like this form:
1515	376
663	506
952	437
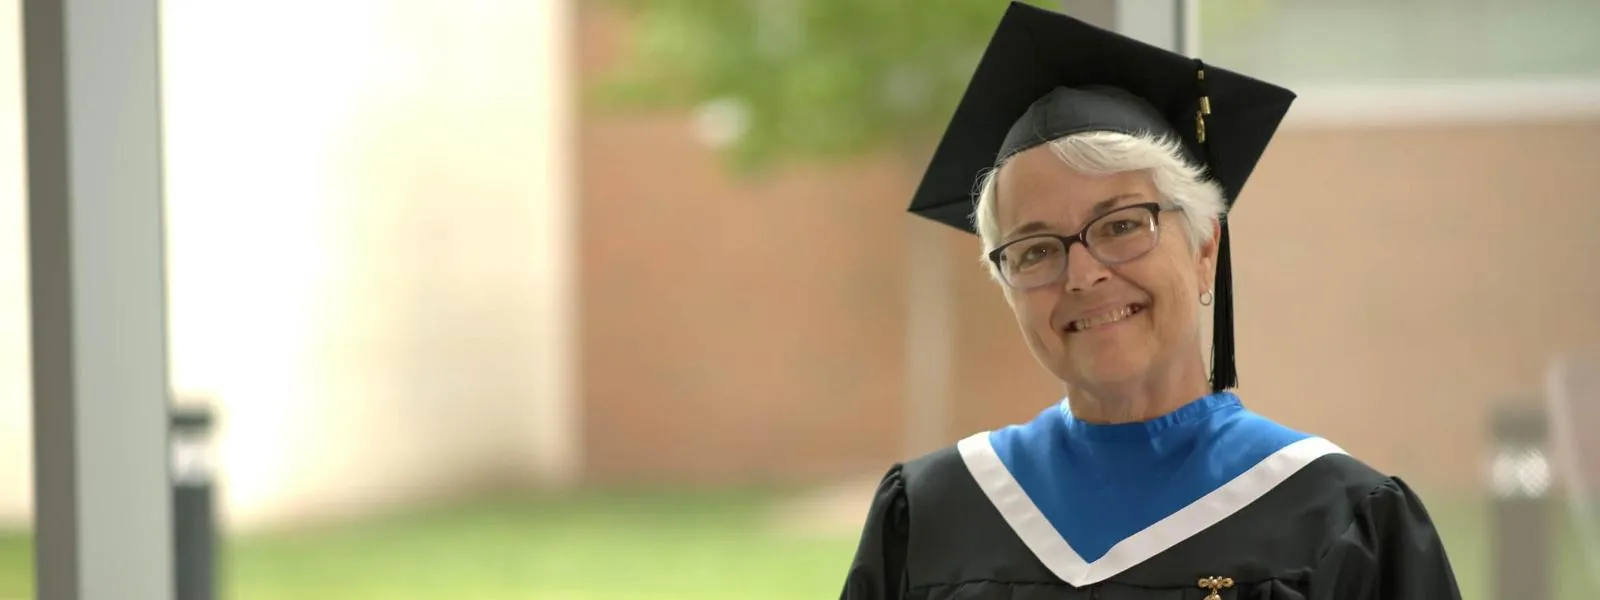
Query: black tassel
1224	374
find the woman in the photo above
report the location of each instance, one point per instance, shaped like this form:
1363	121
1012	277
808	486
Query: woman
1104	168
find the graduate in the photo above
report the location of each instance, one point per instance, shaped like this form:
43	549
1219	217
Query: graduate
1103	170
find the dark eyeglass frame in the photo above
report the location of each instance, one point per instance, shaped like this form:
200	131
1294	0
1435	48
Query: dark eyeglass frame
1082	236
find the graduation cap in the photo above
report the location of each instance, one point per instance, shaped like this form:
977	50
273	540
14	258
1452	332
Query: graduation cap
1046	75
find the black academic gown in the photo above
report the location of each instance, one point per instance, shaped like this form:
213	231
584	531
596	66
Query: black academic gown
1333	530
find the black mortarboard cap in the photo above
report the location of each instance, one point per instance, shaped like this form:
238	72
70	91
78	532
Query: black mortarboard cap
1046	75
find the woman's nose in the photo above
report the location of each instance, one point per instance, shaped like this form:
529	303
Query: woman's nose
1083	270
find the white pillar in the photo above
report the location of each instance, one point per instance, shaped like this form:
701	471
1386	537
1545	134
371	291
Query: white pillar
1156	23
930	344
102	501
1170	24
1189	26
557	420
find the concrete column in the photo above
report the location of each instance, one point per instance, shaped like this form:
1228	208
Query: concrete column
103	517
557	422
1170	24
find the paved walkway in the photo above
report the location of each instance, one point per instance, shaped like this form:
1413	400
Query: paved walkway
836	510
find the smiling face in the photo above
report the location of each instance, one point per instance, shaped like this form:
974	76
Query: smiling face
1099	325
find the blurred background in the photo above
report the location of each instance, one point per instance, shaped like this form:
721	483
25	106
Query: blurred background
618	299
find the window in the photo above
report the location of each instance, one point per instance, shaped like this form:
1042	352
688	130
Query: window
1371	57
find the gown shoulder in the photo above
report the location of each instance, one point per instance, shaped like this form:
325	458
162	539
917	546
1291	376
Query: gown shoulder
877	571
1389	548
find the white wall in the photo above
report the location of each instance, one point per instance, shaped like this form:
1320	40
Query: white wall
368	247
16	445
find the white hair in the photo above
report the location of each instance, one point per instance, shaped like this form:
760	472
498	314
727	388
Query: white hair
1178	181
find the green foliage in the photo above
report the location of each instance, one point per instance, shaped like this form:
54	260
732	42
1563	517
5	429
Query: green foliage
818	79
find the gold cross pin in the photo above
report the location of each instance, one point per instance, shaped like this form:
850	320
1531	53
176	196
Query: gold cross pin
1216	585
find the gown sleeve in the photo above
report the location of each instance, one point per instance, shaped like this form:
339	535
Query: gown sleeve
1389	550
878	570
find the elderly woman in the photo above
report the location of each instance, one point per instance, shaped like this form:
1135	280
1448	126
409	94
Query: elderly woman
1104	168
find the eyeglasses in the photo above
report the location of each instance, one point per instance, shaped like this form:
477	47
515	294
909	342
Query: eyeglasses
1116	237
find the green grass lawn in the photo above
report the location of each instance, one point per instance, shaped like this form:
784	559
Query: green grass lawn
655	546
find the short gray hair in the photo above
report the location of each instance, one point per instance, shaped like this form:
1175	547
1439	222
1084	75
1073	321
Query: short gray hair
1103	153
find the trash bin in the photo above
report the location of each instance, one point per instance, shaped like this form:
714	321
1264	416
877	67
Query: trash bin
1520	481
193	473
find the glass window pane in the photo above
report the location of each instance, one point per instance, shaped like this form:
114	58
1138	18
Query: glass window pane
1369	41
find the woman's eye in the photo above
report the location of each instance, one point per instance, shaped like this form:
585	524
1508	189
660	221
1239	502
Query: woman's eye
1036	253
1121	227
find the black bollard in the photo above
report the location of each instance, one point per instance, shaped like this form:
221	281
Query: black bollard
193	504
1520	478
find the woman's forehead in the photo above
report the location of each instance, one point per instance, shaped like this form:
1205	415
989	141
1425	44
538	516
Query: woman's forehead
1049	191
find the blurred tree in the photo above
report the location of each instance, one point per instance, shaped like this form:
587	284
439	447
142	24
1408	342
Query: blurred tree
812	80
809	80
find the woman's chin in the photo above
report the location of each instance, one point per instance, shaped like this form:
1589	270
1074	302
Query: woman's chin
1111	365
